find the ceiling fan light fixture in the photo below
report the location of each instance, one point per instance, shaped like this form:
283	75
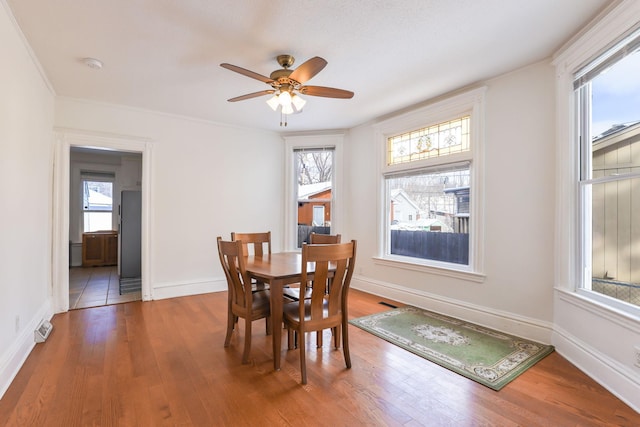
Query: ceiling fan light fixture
287	109
273	102
298	102
285	100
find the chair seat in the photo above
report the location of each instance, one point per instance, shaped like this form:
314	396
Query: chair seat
291	313
261	302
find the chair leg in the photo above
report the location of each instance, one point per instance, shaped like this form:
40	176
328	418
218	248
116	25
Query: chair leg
303	357
268	325
336	337
230	322
247	341
345	343
290	338
319	338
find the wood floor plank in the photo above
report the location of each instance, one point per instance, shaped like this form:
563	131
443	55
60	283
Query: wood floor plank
163	363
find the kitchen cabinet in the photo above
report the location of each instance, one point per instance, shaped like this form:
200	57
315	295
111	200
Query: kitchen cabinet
99	248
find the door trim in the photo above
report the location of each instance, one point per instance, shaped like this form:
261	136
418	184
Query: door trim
64	139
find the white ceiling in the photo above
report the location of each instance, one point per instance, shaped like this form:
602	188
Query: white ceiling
165	55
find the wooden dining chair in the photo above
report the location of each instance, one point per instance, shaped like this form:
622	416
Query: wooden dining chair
323	239
293	292
243	302
257	244
327	307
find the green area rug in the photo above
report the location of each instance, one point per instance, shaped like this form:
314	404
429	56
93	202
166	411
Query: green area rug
484	355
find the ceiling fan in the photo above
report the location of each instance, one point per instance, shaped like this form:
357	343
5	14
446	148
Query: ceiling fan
287	85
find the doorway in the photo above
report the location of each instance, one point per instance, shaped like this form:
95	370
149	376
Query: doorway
99	180
68	231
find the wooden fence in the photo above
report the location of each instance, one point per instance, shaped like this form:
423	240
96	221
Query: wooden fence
445	247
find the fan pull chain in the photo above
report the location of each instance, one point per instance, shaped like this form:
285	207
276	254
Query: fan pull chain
281	119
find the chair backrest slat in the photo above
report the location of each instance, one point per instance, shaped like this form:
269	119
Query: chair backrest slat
257	244
323	239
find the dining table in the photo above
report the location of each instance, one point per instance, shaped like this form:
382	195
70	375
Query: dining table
278	270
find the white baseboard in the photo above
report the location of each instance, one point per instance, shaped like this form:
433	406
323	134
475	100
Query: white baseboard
183	289
618	379
12	359
510	323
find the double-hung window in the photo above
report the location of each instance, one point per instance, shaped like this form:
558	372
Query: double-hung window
314	182
608	147
430	173
97	201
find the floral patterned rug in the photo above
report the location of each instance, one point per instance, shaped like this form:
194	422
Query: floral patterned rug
484	355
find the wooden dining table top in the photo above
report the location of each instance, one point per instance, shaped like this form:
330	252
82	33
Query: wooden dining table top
281	265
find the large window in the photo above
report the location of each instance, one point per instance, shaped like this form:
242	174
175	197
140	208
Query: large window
608	105
97	202
314	183
431	192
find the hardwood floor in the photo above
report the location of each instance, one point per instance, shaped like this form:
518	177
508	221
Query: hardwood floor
163	363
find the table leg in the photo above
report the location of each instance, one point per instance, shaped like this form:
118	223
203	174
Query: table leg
276	320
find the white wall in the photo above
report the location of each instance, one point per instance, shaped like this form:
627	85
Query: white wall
519	198
206	180
26	119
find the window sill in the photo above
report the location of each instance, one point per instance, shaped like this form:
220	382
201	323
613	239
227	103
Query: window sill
598	305
408	264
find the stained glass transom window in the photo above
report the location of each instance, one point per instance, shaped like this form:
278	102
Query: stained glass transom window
437	140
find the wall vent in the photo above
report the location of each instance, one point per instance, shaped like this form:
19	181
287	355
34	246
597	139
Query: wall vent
387	304
43	330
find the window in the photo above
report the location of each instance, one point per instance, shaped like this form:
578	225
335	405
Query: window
314	183
608	146
438	140
97	202
430	213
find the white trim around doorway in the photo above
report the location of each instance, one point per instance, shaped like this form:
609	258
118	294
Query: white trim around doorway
64	139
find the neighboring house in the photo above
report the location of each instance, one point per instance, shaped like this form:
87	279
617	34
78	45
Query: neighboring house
461	215
314	204
403	209
407	215
616	150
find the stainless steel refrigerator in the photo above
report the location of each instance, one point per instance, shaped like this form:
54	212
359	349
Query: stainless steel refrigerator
130	240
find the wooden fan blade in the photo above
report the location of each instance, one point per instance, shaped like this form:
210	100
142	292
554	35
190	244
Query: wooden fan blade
247	73
327	92
308	69
251	95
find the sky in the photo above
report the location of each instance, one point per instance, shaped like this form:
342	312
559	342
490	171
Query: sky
616	95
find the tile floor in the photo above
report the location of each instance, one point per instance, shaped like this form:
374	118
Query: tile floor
96	286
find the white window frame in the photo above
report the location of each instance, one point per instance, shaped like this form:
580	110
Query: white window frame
97	177
585	184
614	25
317	141
468	103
